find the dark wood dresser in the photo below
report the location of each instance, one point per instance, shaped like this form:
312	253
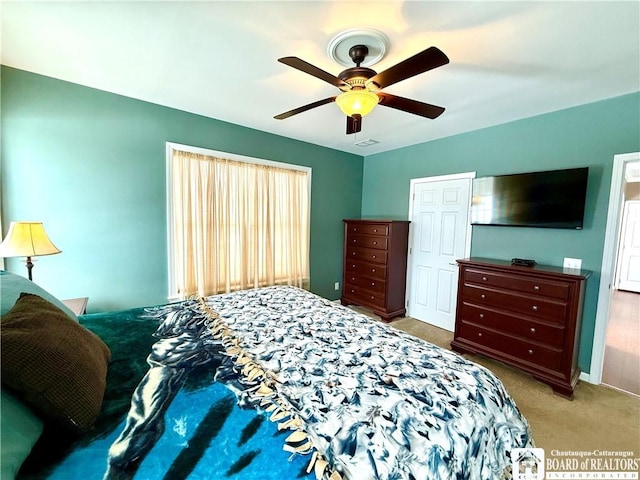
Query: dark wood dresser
375	266
528	317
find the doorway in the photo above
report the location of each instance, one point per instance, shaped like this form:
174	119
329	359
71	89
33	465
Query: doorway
628	265
621	365
615	355
440	233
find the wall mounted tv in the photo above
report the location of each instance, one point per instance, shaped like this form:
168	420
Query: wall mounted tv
549	199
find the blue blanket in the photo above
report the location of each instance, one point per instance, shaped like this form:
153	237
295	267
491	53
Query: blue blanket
279	383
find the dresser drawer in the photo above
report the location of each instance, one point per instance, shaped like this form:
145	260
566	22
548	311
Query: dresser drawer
361	296
516	325
371	284
368	229
362	268
521	283
553	311
367	254
368	241
524	351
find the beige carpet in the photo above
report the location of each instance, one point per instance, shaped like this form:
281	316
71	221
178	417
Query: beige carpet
598	418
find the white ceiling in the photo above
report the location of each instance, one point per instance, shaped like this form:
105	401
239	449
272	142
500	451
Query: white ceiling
509	60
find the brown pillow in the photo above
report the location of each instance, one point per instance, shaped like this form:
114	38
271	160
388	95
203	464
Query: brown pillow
52	362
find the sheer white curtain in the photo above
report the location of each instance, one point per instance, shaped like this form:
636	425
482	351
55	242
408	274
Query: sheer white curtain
237	225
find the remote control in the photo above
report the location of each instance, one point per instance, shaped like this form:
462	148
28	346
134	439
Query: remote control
523	262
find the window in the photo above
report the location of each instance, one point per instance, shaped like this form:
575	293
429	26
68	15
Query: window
235	222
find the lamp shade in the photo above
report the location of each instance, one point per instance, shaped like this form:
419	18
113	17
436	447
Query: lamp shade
27	239
357	101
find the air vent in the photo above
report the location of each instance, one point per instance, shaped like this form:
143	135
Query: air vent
366	143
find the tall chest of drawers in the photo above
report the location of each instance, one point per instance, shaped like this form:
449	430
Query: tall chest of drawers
528	317
375	265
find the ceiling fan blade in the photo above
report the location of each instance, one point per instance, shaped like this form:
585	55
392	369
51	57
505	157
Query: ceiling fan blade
354	124
410	106
306	67
421	62
304	108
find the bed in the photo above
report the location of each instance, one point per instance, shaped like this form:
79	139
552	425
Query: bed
269	383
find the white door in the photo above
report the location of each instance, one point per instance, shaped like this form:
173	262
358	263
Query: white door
629	276
440	234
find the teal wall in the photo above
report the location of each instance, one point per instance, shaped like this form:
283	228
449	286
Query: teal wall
588	135
91	166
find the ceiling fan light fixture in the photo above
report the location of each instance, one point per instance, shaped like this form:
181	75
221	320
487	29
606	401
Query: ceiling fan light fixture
359	102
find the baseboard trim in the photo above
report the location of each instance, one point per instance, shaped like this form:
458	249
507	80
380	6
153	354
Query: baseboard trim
585	377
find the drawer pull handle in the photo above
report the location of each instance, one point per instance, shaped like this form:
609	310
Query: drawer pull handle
534	308
479	334
372	297
484	279
373	270
353	253
530	352
373	256
536	288
354	240
483	296
373	284
375	243
353	279
482	315
532	330
353	266
375	230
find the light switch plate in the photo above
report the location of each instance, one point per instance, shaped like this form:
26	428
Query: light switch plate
573	263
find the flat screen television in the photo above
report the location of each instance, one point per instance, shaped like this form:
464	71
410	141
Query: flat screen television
549	199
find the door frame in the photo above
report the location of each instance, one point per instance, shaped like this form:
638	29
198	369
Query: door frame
437	178
607	271
624	225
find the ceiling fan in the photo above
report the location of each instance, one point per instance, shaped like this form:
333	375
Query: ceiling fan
361	85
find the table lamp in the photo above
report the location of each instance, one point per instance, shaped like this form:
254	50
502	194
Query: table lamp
27	239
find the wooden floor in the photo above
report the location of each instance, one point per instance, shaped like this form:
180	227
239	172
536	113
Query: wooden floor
621	368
